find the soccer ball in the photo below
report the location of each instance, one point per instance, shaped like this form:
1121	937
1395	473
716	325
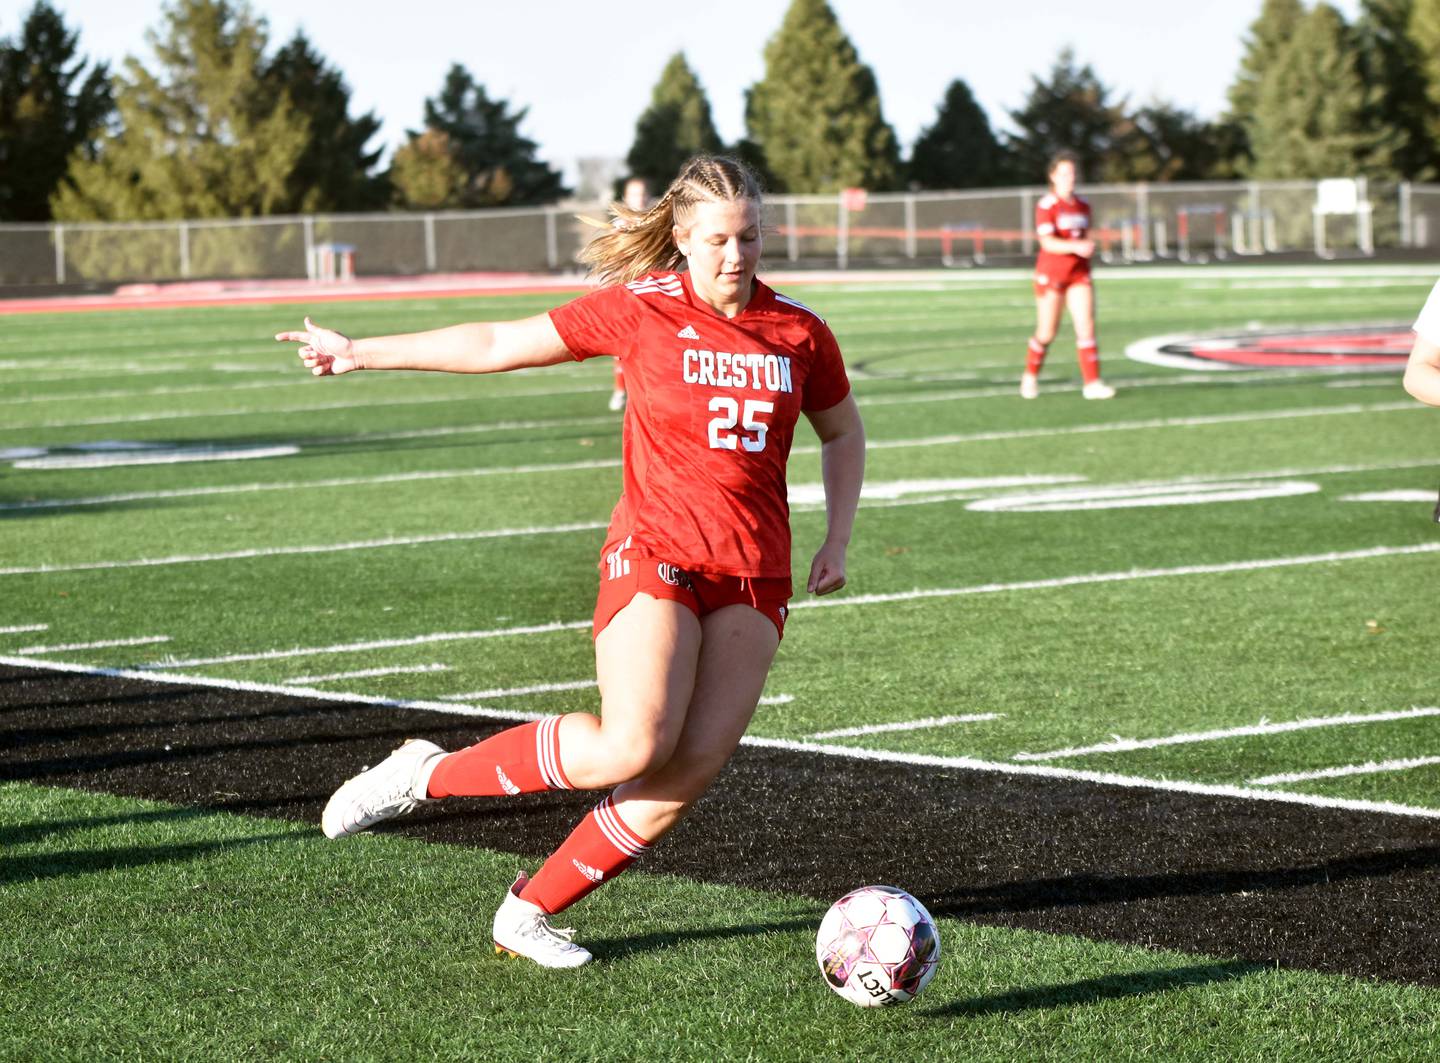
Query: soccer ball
877	945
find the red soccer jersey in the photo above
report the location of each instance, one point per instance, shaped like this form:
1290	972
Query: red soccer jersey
710	418
1066	219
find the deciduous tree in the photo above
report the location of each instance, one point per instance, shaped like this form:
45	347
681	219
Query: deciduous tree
204	134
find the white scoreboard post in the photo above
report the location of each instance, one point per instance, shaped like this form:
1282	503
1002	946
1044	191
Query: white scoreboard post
1343	197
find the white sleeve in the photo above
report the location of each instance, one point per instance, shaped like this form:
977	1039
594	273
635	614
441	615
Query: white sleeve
1427	325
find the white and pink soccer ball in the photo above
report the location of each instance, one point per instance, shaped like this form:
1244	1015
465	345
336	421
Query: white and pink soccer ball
877	945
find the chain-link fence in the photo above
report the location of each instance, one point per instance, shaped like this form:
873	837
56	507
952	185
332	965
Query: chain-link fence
1140	222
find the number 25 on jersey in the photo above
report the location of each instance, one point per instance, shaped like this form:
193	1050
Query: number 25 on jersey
722	428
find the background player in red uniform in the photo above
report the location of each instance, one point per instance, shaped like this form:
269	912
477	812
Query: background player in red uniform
1062	277
695	572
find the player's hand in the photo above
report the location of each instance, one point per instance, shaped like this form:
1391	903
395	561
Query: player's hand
827	571
1084	248
324	351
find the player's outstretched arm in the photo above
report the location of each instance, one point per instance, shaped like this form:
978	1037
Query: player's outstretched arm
477	347
1422	372
842	468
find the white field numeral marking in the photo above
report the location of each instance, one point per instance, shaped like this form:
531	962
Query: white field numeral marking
722	434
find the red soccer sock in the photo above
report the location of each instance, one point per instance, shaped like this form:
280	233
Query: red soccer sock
1035	356
597	850
1089	355
521	760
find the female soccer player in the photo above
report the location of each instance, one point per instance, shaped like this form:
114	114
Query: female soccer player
1422	371
1062	277
695	571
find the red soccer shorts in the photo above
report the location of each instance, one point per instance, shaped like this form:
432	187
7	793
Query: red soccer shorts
624	573
1061	276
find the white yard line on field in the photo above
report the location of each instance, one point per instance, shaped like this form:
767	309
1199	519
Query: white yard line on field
845	752
367	673
1368	768
300	485
515	692
285	411
605	463
321	548
908	725
1134	782
294	380
163	456
1219	568
144	640
20	629
1134	426
1236	379
1129	745
1400	494
136	393
822	603
374	644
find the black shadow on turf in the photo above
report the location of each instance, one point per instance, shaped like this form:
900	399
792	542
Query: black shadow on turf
1095	990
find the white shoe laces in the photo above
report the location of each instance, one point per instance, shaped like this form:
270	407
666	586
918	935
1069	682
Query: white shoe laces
396	799
538	927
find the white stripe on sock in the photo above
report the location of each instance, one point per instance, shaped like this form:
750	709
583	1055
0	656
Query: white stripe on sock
548	754
619	835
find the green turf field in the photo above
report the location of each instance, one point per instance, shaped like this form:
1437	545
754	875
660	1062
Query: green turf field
1266	632
161	932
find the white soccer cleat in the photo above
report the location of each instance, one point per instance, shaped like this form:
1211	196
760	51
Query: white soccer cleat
617	400
1098	389
523	929
1029	386
391	788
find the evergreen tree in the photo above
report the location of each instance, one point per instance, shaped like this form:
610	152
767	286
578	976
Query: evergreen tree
1270	34
204	136
959	150
1071	111
815	116
335	172
484	139
675	126
1311	117
1162	142
50	107
1392	66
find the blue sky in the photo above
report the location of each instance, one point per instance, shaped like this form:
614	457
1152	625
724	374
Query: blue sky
585	70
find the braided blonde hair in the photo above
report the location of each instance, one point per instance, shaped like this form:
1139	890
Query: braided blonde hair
638	242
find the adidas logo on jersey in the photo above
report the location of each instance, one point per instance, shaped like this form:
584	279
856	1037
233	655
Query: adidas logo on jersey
594	874
688	333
